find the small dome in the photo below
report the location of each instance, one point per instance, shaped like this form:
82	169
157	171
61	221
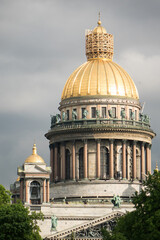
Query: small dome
34	158
100	77
99	28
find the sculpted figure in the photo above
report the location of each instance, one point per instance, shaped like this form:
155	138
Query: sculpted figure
53	119
58	118
123	114
116	200
97	113
85	113
74	114
63	116
53	223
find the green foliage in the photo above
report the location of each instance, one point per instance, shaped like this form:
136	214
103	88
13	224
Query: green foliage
144	222
5	195
16	222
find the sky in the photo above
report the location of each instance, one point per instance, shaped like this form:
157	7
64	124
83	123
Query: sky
43	42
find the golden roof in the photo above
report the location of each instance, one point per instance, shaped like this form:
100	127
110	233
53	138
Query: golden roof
99	28
34	158
101	77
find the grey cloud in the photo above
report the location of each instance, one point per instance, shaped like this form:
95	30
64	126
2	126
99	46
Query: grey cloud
41	44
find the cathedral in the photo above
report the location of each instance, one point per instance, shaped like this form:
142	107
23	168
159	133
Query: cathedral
100	149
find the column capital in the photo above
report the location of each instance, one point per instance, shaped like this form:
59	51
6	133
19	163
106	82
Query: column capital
51	146
98	140
111	140
134	142
142	144
124	141
85	140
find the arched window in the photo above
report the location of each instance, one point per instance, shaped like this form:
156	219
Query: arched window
35	192
81	165
104	163
67	164
119	164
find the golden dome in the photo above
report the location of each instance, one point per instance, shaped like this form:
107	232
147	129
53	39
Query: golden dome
34	158
100	77
99	29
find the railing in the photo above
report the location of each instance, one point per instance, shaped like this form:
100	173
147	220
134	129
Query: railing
83	123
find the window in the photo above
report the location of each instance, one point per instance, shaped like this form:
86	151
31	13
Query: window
83	112
67	165
35	192
93	112
67	114
113	112
103	112
104	161
81	166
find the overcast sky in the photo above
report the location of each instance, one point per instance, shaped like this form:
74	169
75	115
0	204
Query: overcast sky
43	41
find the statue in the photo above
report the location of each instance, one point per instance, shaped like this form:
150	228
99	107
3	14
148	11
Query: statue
116	200
53	223
55	119
58	118
85	114
146	119
97	113
74	114
63	116
110	113
123	114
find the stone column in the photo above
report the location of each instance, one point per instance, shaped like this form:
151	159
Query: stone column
150	145
85	159
63	161
124	159
55	162
148	158
134	160
21	189
98	158
142	162
26	197
47	191
52	176
73	161
111	164
44	190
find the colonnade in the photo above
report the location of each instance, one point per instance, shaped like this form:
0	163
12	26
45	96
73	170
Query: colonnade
57	160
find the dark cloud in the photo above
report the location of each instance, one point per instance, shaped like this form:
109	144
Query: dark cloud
42	42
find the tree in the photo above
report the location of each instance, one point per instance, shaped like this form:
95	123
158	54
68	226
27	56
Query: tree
144	222
5	195
16	222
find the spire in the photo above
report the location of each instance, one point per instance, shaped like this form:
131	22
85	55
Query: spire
99	19
34	149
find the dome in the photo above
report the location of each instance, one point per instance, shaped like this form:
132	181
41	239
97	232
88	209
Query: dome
100	77
99	28
34	158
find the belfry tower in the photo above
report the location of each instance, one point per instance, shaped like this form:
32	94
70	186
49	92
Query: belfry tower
100	143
